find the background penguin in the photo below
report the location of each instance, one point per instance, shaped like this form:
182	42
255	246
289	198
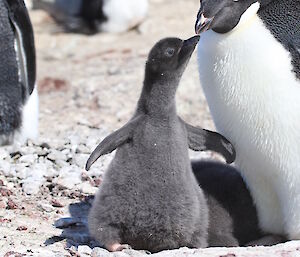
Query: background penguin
149	197
82	16
29	4
18	95
232	214
249	69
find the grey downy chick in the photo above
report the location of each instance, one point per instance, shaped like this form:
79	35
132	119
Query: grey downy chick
233	219
149	197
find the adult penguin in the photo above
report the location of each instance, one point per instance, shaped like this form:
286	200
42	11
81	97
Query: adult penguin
92	16
18	95
249	63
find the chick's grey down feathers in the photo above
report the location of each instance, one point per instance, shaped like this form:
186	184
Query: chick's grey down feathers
149	197
233	218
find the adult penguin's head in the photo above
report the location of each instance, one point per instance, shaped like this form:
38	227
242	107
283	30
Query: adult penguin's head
224	15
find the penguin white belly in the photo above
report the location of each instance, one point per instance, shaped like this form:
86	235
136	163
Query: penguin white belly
254	99
29	4
30	119
123	14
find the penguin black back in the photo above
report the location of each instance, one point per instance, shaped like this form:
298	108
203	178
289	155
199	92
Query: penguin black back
19	17
11	91
17	73
282	18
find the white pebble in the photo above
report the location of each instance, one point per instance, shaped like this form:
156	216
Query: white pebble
84	249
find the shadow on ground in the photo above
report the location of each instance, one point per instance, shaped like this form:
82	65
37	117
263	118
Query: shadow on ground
75	227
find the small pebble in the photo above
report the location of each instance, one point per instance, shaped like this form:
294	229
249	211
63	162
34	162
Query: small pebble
100	252
87	188
3	204
11	205
67	222
84	249
28	159
46	207
31	186
22	228
56	203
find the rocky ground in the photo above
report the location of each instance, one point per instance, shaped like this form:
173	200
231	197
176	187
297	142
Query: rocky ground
88	87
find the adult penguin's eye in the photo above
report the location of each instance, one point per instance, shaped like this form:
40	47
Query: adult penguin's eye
169	52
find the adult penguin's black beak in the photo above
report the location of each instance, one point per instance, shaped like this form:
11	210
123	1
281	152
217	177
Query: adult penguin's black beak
202	23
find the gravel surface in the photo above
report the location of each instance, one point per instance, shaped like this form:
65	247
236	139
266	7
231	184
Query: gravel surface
89	87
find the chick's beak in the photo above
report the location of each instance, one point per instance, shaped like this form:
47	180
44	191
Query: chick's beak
202	23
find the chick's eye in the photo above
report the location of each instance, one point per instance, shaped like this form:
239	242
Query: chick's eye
170	52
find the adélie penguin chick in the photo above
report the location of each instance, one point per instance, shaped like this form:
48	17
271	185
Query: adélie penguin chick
18	95
249	64
233	217
149	197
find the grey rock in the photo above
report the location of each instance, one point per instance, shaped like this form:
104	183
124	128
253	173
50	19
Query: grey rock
46	207
27	150
56	155
67	222
38	171
100	252
87	188
69	177
99	167
42	151
113	71
23	173
7	170
20	167
84	250
35	177
80	160
61	163
28	158
4	154
82	149
31	186
121	254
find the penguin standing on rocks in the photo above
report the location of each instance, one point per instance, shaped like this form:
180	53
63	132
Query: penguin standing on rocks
249	64
18	95
94	16
149	197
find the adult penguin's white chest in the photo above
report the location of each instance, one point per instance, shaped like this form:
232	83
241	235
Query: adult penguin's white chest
254	99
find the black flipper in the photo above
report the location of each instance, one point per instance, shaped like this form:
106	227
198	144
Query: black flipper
201	140
19	17
113	141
